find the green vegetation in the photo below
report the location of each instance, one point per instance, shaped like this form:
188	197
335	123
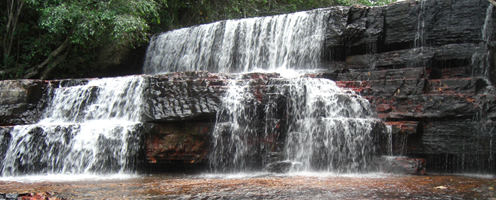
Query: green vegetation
81	38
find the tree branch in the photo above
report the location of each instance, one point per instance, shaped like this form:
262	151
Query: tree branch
14	8
36	70
49	68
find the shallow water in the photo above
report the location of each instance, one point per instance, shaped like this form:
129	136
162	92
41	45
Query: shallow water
265	186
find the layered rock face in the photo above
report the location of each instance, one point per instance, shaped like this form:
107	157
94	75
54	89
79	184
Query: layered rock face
427	67
177	116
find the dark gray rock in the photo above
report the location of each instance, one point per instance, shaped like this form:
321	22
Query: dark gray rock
5	138
19	101
184	96
364	30
335	40
446	56
433	23
449	22
457	137
400	25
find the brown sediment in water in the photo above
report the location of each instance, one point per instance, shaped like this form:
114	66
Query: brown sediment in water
270	187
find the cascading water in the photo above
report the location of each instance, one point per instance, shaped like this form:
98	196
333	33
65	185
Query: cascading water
326	128
283	41
419	35
329	129
419	40
480	59
481	68
234	128
88	128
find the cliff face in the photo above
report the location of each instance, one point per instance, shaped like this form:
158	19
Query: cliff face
427	68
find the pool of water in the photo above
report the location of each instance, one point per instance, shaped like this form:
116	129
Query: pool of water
259	186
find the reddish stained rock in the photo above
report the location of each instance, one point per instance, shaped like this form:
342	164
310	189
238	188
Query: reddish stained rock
455	86
39	196
427	106
383	108
178	142
403	127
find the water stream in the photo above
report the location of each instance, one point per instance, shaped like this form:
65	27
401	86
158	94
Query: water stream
284	41
326	128
87	128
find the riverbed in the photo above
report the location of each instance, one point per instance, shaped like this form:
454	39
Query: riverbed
262	186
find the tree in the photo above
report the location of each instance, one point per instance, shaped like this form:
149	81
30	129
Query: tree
14	8
39	36
79	24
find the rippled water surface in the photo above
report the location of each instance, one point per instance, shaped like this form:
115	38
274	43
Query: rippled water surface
263	186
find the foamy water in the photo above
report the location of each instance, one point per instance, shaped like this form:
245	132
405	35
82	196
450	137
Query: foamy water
68	177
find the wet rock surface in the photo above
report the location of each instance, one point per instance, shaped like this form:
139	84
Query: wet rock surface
20	101
31	196
184	96
420	63
177	144
267	187
401	165
279	167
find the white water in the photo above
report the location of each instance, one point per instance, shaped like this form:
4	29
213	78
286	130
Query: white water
283	41
419	35
233	129
480	59
67	177
295	174
487	23
328	128
85	129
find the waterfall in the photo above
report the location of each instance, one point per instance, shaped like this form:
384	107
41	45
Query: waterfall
480	59
326	128
487	24
88	128
234	128
419	35
330	129
283	41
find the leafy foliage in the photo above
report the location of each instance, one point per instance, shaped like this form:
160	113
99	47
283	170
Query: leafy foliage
66	38
85	24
